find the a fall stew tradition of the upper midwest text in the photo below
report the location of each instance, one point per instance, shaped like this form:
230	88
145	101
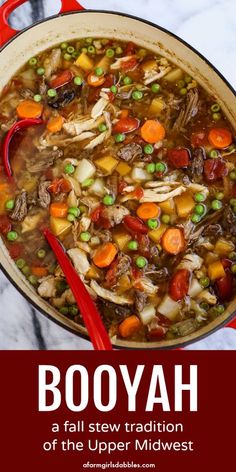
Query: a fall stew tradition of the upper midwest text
132	166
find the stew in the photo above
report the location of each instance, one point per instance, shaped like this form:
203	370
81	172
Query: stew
132	166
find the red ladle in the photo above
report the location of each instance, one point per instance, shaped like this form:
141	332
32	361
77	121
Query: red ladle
89	312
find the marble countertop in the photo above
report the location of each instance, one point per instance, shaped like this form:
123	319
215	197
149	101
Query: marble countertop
209	26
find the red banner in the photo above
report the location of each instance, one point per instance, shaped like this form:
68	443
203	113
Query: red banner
122	410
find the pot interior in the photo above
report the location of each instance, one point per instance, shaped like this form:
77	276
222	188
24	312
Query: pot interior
100	24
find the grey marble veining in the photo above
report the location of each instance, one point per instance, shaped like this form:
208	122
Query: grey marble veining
209	26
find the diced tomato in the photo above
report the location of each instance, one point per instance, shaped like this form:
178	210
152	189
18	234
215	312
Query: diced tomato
62	79
60	186
179	284
137	193
121	186
215	169
226	263
136	273
129	65
224	287
178	157
5	224
157	332
111	275
135	224
126	125
130	49
109	80
16	250
163	320
199	138
96	213
111	96
143	244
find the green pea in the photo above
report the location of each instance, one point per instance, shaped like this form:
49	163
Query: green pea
152	223
220	309
89	40
160	167
215	107
119	138
61	286
220	196
71	218
12	236
127	80
200	209
232	201
78	80
165	219
91	50
85	236
195	218
33	61
99	71
214	154
74	211
233	268
216	116
87	183
234	209
40	71
150	168
69	169
232	256
37	98
133	245
85	50
181	84
33	280
73	310
204	282
70	49
64	45
142	52
26	270
216	205
110	52
188	79
64	310
119	50
155	88
41	253
108	200
183	91
114	89
82	209
148	149
141	262
9	205
67	57
204	306
232	175
52	93
102	127
199	197
137	95
20	263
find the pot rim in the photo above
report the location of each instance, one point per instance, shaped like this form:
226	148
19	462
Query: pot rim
195	51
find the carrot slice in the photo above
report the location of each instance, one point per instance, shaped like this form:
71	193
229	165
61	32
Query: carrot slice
129	326
152	131
220	137
173	241
104	255
95	81
58	209
55	124
29	109
148	210
39	271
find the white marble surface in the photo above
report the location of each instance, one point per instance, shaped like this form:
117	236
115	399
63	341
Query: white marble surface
209	26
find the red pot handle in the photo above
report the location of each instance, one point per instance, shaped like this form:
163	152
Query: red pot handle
232	324
6	32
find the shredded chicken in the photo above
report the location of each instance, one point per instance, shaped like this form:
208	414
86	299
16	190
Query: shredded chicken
110	296
47	287
99	108
191	262
66	298
31	222
118	63
208	297
153	196
52	63
153	75
79	259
